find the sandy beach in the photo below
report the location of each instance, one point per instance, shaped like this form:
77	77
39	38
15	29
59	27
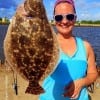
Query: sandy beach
7	91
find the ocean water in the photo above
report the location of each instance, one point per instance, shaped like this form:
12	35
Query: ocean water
91	34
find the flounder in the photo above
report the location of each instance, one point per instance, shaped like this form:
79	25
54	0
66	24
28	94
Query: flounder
30	45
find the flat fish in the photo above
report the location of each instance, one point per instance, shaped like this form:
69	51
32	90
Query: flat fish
31	47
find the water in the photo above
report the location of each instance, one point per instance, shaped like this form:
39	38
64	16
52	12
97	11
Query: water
91	34
3	30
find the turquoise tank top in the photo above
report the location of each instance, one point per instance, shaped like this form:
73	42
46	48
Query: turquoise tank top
68	70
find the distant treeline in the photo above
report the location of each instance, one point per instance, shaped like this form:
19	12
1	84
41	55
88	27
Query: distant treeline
4	20
88	22
83	22
7	21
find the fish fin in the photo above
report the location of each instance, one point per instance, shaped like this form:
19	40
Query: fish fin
34	88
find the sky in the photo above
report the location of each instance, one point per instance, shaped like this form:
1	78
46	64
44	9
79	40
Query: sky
85	9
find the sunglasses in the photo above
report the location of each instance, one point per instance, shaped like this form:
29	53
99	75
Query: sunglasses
69	17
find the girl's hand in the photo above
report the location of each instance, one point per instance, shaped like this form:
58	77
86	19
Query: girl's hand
73	89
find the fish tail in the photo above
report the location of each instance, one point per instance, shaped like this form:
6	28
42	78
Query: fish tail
34	88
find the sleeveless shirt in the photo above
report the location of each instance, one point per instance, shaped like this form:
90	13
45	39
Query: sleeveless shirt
69	68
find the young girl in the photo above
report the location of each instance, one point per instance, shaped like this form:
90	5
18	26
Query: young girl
76	68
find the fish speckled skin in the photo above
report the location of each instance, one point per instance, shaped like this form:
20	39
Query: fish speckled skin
30	46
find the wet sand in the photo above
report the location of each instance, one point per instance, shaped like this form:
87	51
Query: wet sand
7	91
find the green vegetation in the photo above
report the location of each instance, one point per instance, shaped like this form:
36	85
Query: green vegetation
83	23
88	23
78	23
4	20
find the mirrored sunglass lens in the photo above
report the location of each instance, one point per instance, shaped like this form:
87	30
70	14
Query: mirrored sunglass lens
58	17
70	17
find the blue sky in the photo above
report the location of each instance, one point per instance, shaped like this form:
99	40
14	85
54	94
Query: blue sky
86	9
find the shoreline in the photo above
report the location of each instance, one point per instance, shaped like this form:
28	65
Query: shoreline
87	25
77	25
82	25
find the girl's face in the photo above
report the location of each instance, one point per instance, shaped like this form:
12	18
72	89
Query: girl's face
64	25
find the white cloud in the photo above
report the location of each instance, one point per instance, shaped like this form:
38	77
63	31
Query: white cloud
6	12
97	16
49	8
96	4
87	10
88	16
